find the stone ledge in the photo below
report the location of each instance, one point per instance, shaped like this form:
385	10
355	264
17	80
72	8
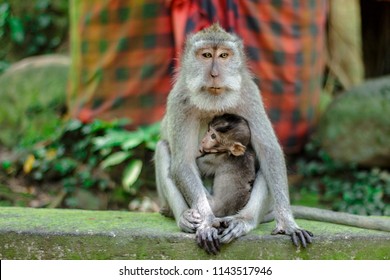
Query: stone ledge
27	233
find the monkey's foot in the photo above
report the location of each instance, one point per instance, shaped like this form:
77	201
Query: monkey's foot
166	211
232	228
208	239
298	236
190	220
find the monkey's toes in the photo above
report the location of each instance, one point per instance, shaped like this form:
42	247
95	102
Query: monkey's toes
298	236
301	236
233	229
166	211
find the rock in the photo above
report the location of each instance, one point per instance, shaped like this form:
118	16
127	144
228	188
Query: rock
33	96
27	233
356	126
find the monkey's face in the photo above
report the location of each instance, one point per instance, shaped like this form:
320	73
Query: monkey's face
210	142
217	142
216	80
213	66
216	63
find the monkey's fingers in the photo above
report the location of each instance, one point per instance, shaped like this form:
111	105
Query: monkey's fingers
189	227
190	220
207	243
208	240
212	242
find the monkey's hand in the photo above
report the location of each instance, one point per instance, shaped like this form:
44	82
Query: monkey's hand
207	237
190	220
298	235
233	227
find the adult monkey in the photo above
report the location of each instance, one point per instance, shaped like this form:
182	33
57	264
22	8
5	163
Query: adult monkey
214	79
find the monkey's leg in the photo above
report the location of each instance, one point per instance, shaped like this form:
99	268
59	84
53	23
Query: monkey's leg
188	220
251	215
254	213
231	191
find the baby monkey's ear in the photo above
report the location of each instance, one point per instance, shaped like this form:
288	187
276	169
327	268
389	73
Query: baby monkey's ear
237	149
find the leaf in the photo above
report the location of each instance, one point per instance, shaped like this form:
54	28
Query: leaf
6	164
51	154
131	174
28	164
151	130
111	139
115	159
132	142
42	5
17	30
73	125
44	20
97	125
151	145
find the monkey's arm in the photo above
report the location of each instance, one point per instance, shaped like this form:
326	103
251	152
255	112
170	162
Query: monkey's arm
273	166
184	146
271	177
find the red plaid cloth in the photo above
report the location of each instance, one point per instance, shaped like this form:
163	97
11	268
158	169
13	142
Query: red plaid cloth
124	52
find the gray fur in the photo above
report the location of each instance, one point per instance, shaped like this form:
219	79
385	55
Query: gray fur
189	109
233	174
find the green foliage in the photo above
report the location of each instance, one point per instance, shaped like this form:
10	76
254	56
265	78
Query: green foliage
344	187
31	27
97	156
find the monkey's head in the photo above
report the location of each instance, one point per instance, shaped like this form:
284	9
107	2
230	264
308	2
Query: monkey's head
213	63
227	133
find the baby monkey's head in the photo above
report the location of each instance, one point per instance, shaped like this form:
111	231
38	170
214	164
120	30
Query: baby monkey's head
226	133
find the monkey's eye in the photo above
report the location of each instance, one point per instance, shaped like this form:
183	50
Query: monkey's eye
207	55
213	136
224	55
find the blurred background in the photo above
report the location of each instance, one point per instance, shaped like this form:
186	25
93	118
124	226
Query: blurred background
83	86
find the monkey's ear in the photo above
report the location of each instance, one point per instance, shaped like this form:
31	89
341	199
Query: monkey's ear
237	149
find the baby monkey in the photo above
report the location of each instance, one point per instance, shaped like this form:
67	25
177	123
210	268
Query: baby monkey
226	154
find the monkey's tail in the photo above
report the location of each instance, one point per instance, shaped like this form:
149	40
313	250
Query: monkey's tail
316	214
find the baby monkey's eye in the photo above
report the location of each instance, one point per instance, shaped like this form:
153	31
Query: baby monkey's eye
207	55
224	55
213	136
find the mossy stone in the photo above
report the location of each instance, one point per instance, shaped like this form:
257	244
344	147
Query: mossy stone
356	126
32	99
27	233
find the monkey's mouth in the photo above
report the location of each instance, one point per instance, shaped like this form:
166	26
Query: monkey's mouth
215	90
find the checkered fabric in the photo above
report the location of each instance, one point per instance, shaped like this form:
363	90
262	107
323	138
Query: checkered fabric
124	54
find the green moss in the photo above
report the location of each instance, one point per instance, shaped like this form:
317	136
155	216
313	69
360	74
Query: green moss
66	221
76	234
